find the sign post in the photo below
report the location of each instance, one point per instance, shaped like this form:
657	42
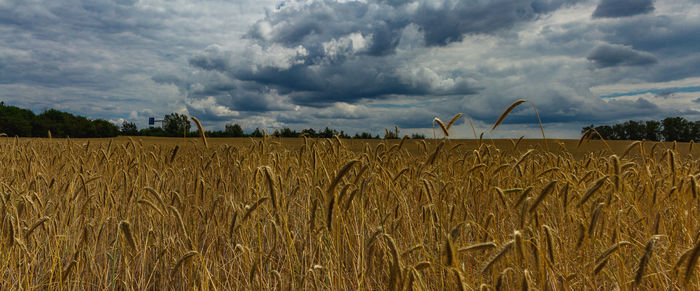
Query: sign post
153	120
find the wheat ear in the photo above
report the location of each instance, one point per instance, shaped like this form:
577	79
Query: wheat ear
201	131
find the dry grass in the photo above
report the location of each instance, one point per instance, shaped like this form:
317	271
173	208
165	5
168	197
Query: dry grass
296	214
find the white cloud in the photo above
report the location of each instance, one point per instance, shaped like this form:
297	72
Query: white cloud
211	107
609	89
353	65
275	56
346	46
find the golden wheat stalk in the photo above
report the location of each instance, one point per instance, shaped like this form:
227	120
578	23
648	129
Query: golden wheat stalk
270	181
396	267
492	260
249	210
478	247
592	189
506	112
445	132
584	136
403	140
181	261
155	194
550	244
126	229
453	120
174	153
501	278
692	261
510	108
599	266
34	226
629	148
459	279
434	155
450	254
644	260
151	205
545	191
67	270
412	249
329	213
341	173
201	131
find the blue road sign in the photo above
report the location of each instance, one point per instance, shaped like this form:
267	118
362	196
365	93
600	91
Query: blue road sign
151	120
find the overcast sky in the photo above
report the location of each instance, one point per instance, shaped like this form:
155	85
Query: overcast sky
355	65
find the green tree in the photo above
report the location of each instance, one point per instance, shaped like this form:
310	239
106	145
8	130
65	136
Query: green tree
286	132
309	132
104	128
63	124
605	131
695	134
676	129
327	133
129	129
22	122
52	120
652	130
234	130
175	124
257	133
15	120
152	131
634	130
81	127
364	135
618	131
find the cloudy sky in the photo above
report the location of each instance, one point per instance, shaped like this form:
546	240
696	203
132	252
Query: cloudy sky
355	65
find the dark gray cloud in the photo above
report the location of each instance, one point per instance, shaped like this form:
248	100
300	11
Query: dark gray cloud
441	21
607	55
662	35
329	51
556	106
325	53
354	118
107	59
665	93
361	77
623	8
352	65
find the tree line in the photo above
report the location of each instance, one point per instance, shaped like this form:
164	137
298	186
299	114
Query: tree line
668	129
178	125
15	121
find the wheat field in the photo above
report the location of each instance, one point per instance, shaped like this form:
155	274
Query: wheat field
331	214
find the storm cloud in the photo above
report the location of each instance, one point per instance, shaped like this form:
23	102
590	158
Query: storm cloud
623	8
328	51
380	23
607	55
354	65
